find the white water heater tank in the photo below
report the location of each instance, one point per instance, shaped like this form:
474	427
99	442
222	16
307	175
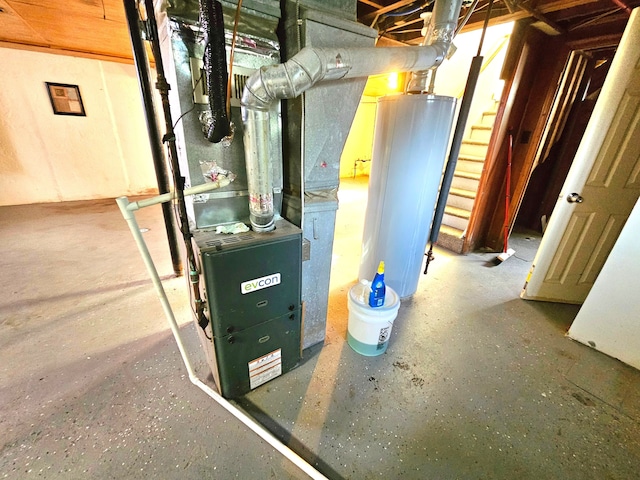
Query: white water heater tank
410	146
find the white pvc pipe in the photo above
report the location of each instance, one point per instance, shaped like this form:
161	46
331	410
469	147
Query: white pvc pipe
127	210
165	197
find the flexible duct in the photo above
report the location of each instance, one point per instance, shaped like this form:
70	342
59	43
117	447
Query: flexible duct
215	124
310	66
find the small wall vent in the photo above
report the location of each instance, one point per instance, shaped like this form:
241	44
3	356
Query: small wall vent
199	82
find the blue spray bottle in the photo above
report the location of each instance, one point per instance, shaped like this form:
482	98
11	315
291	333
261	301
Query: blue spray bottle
376	297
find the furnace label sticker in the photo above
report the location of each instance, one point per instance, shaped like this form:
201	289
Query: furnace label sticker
263	369
260	283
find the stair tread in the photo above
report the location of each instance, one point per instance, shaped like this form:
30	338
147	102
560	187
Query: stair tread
481	127
457	212
461	192
471	175
452	231
471	158
468	141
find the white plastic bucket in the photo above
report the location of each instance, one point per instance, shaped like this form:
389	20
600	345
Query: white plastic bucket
369	328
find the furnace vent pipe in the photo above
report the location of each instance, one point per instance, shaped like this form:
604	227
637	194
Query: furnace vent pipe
289	80
442	27
310	66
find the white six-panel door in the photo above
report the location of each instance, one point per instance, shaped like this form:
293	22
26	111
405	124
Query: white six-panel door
601	188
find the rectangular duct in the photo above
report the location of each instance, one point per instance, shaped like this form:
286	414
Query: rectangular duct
316	125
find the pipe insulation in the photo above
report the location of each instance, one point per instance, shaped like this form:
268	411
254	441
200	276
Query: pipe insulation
127	209
215	123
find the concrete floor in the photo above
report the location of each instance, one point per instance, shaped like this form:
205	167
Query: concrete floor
476	383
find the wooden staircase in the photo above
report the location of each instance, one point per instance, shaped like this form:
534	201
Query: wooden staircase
466	179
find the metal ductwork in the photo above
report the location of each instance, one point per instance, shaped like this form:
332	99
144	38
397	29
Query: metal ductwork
312	65
440	28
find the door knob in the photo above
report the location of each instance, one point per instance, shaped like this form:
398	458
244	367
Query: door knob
574	198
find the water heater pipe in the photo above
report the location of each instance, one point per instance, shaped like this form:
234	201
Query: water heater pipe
312	65
441	29
127	209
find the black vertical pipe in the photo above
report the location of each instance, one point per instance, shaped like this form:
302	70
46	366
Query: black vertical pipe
157	152
456	143
178	180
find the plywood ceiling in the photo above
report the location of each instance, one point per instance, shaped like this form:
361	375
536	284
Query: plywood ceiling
99	27
66	26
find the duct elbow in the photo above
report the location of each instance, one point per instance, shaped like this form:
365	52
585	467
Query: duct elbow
442	50
255	95
285	80
443	24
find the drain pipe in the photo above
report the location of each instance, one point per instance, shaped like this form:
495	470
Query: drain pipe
310	66
159	162
127	209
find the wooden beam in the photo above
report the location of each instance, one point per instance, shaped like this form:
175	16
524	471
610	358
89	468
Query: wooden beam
539	16
601	41
550	6
404	24
389	8
371	4
555	5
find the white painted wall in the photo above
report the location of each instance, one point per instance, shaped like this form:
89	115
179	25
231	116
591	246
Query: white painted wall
451	77
359	144
51	158
609	319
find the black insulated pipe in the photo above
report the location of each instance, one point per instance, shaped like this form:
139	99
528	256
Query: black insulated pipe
216	126
178	180
157	152
456	143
